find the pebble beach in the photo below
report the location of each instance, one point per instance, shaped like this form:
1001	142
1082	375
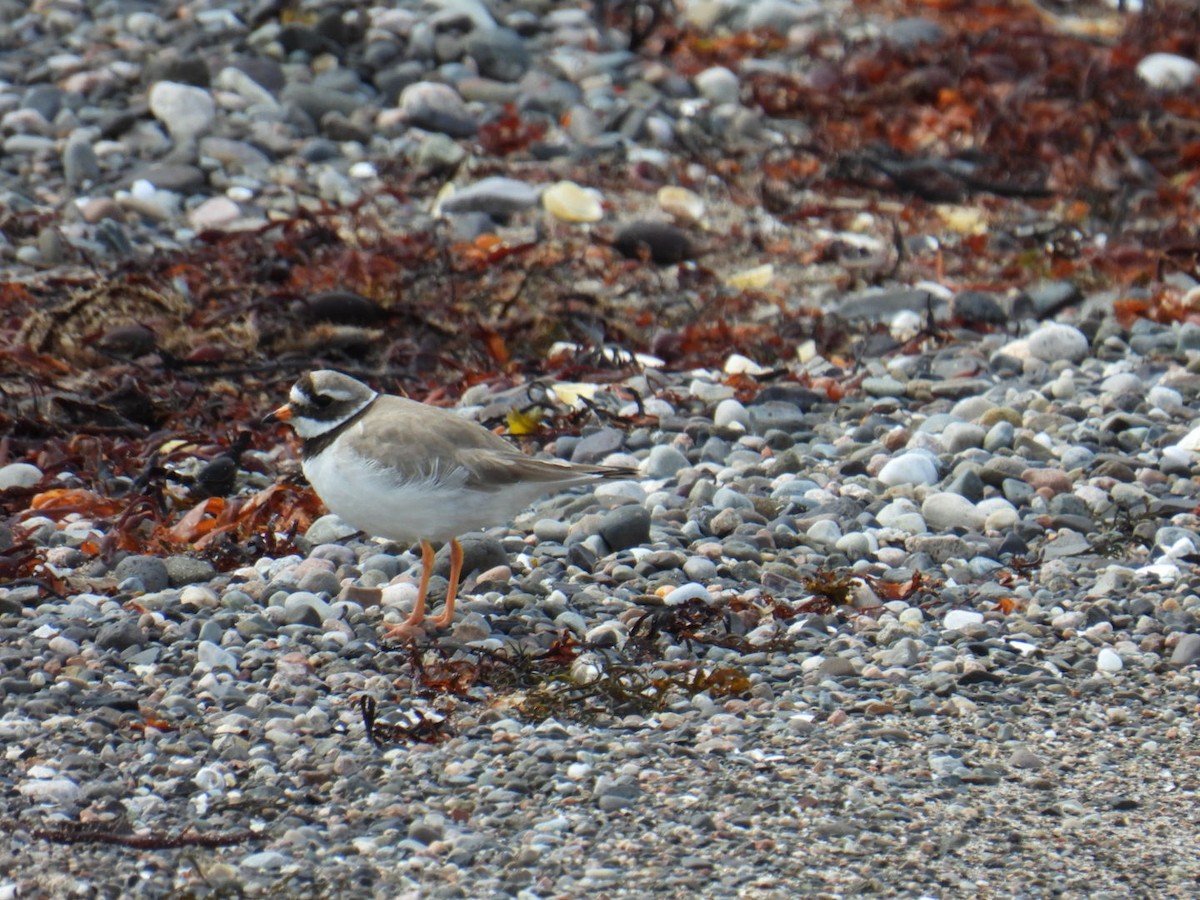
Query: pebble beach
902	603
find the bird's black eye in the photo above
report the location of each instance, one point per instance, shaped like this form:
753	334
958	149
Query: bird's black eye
321	401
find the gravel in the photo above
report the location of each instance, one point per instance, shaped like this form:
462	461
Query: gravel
937	635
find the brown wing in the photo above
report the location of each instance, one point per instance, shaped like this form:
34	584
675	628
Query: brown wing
423	442
489	470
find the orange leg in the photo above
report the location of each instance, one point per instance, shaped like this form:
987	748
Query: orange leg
456	561
417	616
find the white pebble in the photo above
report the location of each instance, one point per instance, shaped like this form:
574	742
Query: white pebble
1190	441
1108	660
1168	71
569	202
906	325
731	414
709	391
909	468
19	475
743	365
823	533
684	206
943	511
958	619
187	111
214	213
903	515
718	85
50	790
1055	341
686	592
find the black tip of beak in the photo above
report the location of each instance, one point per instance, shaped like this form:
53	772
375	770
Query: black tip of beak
283	414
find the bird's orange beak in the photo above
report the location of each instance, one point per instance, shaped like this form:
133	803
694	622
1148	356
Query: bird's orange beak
283	414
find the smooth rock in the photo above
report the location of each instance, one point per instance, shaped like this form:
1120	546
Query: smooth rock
1055	341
150	570
624	527
19	474
1187	651
214	214
1168	71
730	413
439	108
958	619
909	468
663	461
718	85
943	511
187	111
568	202
495	196
686	592
120	635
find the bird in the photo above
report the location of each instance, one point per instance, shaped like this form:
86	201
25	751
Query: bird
415	474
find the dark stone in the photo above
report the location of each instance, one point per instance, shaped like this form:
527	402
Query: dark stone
967	484
183	570
306	40
580	555
317	101
177	177
658	242
777	415
480	553
882	305
595	446
120	635
626	526
45	98
1115	469
265	72
499	53
338	126
1012	545
977	308
150	570
443	121
1187	651
181	69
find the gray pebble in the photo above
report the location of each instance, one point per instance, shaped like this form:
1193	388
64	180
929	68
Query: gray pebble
120	635
1187	651
183	570
626	526
149	570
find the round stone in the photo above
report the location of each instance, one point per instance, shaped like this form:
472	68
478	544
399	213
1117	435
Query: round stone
19	474
909	468
186	111
1055	341
958	619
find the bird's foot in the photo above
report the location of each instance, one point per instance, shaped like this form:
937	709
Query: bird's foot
403	631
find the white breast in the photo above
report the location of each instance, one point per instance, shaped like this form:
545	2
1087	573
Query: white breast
367	496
